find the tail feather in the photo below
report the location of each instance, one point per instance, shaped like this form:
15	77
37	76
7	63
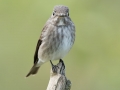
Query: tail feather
33	70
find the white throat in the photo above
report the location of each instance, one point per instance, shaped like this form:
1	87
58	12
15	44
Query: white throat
61	22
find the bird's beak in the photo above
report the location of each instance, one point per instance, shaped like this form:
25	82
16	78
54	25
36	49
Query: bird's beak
62	15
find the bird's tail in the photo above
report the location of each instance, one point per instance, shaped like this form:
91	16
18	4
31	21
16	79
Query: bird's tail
33	70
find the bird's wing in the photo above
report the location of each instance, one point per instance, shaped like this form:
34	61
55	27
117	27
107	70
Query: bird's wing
36	51
39	43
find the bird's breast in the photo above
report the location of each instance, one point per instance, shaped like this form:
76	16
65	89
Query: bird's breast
58	43
65	40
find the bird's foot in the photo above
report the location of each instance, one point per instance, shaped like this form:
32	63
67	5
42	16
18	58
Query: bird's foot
54	67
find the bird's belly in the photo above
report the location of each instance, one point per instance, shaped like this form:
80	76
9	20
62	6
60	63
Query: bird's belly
63	48
59	45
61	51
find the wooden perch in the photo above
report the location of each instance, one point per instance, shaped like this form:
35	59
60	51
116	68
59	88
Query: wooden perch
58	80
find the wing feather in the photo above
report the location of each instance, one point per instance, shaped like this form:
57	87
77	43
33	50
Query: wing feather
36	51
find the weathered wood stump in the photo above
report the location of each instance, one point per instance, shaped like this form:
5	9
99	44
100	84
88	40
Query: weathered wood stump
58	80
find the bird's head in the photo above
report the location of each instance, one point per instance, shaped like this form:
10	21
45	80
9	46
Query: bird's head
60	15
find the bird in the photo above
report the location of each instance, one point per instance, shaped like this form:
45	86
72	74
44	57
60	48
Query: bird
56	39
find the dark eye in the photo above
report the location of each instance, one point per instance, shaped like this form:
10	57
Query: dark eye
53	13
68	14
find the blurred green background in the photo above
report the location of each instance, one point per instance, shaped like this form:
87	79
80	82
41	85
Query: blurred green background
92	64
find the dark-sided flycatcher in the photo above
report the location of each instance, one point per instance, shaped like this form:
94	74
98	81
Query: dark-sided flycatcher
56	39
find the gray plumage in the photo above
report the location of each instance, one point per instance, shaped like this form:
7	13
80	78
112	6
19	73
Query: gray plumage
56	39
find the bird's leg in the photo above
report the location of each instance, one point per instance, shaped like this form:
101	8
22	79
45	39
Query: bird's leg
60	60
51	63
61	66
54	67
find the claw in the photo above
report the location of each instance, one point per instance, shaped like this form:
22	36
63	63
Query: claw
54	67
61	61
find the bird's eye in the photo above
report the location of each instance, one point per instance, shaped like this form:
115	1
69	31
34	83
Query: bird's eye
53	13
68	14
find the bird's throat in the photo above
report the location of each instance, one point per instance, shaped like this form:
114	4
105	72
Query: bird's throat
61	21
